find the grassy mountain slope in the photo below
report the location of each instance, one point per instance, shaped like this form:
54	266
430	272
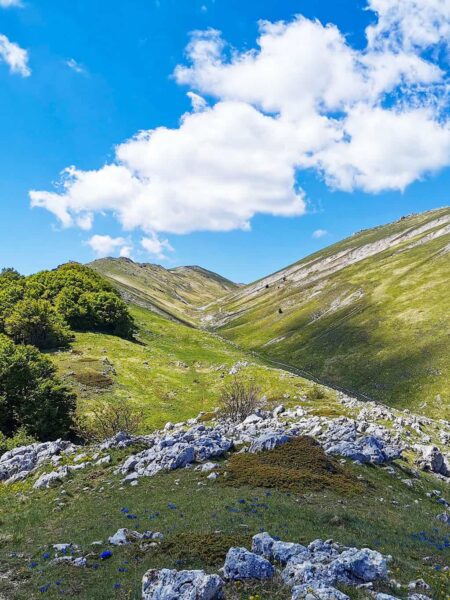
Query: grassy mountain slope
171	372
369	313
172	292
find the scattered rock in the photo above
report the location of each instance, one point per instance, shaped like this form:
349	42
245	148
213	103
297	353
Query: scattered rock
168	584
241	564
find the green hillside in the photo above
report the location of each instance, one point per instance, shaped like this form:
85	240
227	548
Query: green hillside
369	313
176	293
170	371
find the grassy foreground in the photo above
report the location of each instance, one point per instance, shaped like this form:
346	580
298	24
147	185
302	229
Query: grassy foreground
200	520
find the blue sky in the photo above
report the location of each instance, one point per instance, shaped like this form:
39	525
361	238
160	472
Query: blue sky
96	74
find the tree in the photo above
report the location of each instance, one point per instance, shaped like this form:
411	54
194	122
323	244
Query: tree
31	396
106	312
36	322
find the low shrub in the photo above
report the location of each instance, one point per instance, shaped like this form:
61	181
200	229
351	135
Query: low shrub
239	399
105	419
316	392
205	548
300	465
95	379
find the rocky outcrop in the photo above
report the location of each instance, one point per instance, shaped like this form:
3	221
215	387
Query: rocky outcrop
17	464
177	450
241	564
168	584
431	459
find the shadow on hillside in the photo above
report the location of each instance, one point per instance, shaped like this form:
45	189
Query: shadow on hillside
397	369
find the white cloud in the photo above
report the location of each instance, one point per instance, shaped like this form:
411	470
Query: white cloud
75	66
215	172
198	103
319	233
409	24
105	245
126	251
10	3
156	247
14	56
372	119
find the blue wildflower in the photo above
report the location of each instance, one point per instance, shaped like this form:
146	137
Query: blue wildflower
172	506
125	510
46	555
131	516
117	586
45	588
106	554
33	565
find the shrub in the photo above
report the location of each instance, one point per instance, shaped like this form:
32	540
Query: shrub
300	465
239	399
20	438
106	312
36	322
106	419
31	396
202	548
316	392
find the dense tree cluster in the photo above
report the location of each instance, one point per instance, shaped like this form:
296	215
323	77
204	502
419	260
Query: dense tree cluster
43	309
40	312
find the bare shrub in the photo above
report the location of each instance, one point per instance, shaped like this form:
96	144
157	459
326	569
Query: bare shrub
106	419
239	399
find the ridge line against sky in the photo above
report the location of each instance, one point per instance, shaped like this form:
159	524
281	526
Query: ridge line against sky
305	108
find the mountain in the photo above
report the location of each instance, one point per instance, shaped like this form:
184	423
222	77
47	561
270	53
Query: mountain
175	293
370	313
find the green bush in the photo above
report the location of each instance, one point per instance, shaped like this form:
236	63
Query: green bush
36	322
31	396
40	309
20	438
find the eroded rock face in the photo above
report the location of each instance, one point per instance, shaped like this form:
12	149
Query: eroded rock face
169	584
17	464
241	564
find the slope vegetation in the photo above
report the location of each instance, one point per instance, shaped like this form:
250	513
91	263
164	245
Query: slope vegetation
175	293
369	313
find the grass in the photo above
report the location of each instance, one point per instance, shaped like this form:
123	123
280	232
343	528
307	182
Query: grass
378	327
300	466
171	372
207	519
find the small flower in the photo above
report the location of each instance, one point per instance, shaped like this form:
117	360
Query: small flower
46	555
106	554
45	588
172	506
33	565
117	586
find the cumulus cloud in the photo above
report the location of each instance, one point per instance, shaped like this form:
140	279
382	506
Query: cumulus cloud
373	119
14	56
156	247
105	245
319	233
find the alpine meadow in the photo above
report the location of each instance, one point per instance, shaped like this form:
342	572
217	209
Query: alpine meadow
225	325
